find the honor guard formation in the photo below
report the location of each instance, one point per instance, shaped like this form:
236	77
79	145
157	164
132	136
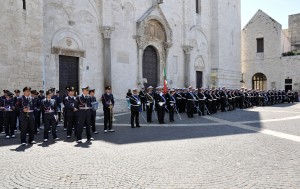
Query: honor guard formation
27	112
198	101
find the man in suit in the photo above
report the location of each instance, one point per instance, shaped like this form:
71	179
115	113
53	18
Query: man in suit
84	106
27	121
108	105
94	112
135	108
160	101
149	103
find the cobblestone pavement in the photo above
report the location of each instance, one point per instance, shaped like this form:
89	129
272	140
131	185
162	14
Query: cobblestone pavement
254	148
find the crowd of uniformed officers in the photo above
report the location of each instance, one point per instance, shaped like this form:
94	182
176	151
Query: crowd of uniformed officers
25	113
198	101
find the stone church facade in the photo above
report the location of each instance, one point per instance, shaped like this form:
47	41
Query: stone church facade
123	43
266	64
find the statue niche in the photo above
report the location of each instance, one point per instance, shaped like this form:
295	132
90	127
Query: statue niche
154	31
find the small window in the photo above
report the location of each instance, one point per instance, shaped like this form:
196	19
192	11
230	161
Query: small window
198	6
288	81
24	4
260	45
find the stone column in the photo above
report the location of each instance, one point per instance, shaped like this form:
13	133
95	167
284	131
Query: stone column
187	59
167	46
107	67
140	47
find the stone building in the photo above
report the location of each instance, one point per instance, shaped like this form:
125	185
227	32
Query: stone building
263	42
123	43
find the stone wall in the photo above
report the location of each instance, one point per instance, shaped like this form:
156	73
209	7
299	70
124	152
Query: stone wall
109	37
270	62
21	34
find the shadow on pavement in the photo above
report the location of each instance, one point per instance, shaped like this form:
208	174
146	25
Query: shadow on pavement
127	135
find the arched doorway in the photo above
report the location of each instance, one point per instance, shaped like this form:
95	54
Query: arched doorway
150	66
259	81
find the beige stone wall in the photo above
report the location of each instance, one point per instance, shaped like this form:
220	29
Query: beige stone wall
21	34
271	63
32	40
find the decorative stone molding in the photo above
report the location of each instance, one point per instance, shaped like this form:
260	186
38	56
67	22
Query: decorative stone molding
107	31
187	49
141	42
68	52
167	45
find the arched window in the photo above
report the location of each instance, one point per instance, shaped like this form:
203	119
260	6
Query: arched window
259	81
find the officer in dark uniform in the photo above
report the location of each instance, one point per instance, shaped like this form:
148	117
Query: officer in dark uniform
9	115
160	103
290	96
135	108
41	97
142	96
209	100
190	104
36	102
17	111
84	106
64	97
202	99
149	103
49	107
94	112
27	121
171	104
1	112
70	112
58	101
242	98
108	105
224	98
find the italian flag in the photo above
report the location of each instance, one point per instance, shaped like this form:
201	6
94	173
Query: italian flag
165	81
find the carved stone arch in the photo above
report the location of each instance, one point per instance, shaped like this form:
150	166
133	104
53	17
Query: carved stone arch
199	64
200	31
96	11
57	4
129	9
67	42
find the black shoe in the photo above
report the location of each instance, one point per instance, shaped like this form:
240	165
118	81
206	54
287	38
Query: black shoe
132	126
138	126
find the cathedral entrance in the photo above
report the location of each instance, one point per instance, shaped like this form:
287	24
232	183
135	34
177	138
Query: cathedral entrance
68	73
150	66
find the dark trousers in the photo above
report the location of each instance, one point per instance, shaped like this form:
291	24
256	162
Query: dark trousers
27	122
17	118
1	121
190	108
107	119
65	119
84	118
202	107
143	105
171	113
93	120
9	122
149	110
72	123
49	119
161	114
37	121
135	116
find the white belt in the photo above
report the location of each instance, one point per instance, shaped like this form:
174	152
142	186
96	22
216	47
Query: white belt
85	108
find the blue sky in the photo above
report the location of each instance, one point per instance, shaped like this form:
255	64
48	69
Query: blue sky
277	9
